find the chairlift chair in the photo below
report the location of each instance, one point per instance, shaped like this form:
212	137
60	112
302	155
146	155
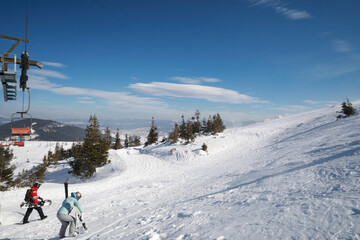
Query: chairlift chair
20	131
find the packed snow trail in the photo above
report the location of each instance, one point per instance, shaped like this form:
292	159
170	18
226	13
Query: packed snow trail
290	178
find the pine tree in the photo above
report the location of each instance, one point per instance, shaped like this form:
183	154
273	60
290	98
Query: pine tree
348	109
50	157
136	142
45	161
92	153
53	158
210	125
204	147
117	141
182	128
189	135
153	134
174	134
6	170
38	174
126	142
218	124
108	138
197	124
204	126
131	141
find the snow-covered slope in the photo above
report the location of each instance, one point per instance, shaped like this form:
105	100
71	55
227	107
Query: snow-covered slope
290	178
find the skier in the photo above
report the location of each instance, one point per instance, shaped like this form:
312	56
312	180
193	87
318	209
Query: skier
34	199
64	217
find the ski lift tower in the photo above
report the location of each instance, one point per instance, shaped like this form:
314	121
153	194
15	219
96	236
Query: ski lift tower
8	77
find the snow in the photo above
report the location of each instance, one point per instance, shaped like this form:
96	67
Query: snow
295	177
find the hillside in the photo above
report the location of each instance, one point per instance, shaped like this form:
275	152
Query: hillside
46	130
295	177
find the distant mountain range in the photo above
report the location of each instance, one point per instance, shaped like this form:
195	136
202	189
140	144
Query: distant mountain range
45	130
138	127
74	129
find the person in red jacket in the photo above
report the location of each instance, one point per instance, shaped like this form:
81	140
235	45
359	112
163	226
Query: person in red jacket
34	198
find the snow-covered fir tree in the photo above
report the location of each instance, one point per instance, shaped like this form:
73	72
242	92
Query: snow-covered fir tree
6	169
92	152
153	133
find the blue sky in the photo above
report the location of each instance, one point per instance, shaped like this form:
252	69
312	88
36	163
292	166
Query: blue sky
246	59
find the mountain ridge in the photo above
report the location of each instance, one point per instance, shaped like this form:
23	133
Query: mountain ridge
45	130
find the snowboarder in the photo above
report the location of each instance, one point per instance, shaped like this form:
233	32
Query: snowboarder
34	198
64	217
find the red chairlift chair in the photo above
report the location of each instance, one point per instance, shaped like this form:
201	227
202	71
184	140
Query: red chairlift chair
20	132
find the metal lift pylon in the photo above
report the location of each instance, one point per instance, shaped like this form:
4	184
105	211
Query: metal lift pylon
8	78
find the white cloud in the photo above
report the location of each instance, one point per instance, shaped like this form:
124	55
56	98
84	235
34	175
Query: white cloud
86	102
54	64
264	2
292	108
293	14
84	98
187	80
48	73
327	103
212	94
195	80
278	6
210	80
332	70
341	46
119	99
40	82
112	98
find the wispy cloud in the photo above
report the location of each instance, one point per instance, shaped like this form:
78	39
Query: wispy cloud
293	14
279	7
53	64
292	108
346	64
111	98
84	98
265	2
210	80
341	46
40	82
211	94
195	80
327	103
48	73
86	102
332	70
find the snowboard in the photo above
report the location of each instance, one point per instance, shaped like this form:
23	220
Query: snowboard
40	204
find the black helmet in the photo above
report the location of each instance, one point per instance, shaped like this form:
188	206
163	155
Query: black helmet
37	185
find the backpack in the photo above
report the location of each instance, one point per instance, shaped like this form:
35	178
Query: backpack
27	196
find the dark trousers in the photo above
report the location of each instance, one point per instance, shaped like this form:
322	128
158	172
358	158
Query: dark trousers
29	211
